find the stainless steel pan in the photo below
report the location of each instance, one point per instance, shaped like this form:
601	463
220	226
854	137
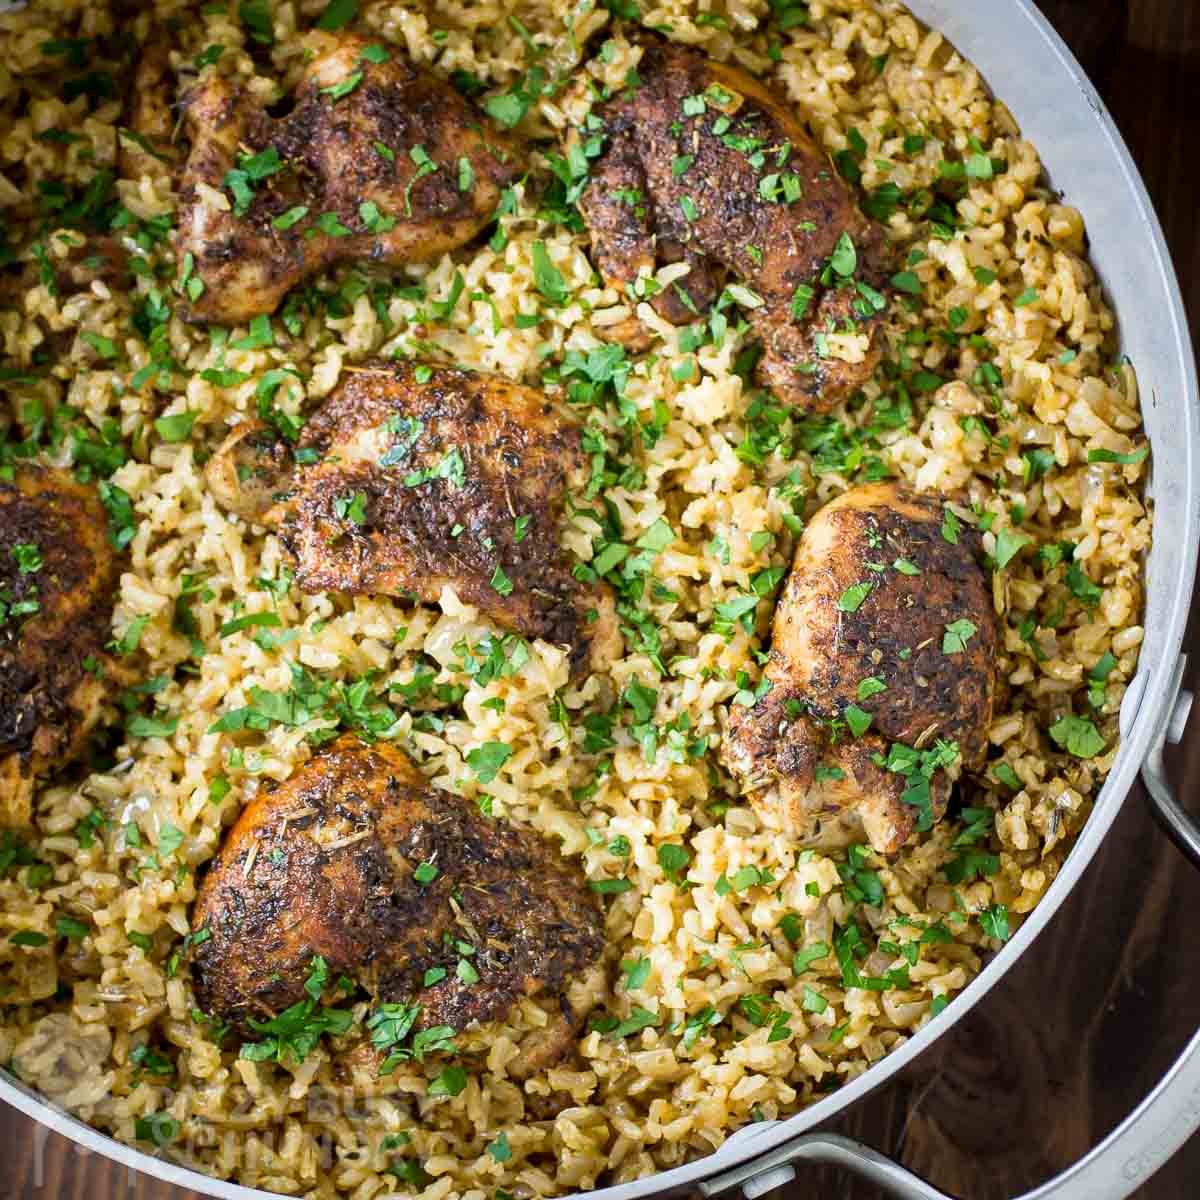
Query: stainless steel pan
1027	65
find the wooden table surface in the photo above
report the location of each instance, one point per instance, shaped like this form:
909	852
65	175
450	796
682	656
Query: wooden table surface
1075	1036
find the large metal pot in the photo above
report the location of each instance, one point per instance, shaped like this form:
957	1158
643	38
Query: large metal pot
1027	65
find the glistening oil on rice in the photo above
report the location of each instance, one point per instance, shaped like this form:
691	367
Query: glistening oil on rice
716	1005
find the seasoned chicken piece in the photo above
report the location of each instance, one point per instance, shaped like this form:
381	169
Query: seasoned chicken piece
377	161
704	165
358	859
886	615
58	578
150	151
415	477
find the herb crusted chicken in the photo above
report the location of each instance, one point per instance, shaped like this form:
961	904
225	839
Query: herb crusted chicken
58	578
404	888
378	161
881	677
413	477
703	165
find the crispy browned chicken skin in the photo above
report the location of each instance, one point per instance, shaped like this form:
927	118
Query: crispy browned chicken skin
829	637
399	139
327	863
58	581
737	189
416	477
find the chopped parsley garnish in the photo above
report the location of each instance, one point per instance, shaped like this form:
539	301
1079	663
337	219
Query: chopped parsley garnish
256	16
547	277
27	557
351	507
175	428
801	299
337	13
297	1029
637	971
330	224
918	767
674	860
501	582
851	599
957	635
251	169
390	1024
1081	587
844	259
160	1128
487	760
375	221
1077	735
343	87
1008	543
994	921
451	468
1097	677
858	720
1111	456
950	526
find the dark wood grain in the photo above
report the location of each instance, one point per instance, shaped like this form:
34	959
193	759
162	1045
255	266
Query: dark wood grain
1073	1038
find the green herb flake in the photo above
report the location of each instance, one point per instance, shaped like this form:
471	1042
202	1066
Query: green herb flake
343	87
337	14
994	921
501	582
175	428
857	720
487	760
844	259
852	598
1077	735
375	221
547	277
450	1081
1125	460
1008	543
950	526
957	635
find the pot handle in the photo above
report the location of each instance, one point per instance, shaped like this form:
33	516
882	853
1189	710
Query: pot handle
1180	826
1123	1161
1141	1144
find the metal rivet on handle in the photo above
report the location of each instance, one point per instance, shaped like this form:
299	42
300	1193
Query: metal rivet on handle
761	1184
1179	717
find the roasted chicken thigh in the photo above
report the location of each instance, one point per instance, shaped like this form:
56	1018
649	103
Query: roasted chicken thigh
58	580
415	477
356	858
378	161
882	673
703	165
